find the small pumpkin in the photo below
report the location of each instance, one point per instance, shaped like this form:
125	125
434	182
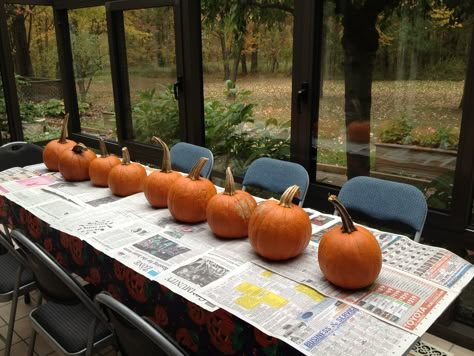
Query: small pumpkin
228	213
100	167
189	195
349	256
158	183
279	230
127	178
74	163
54	148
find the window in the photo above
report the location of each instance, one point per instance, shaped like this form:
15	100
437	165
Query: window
391	95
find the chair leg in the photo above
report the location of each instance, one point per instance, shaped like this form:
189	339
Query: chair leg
27	298
31	346
11	322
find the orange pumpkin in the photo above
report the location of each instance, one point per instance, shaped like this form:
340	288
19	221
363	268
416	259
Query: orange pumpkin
74	164
279	230
100	167
228	213
54	148
188	196
158	183
127	178
349	256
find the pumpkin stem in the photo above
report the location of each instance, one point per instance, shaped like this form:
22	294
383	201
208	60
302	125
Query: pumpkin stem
197	168
125	156
287	197
229	184
166	163
62	137
103	149
347	224
79	148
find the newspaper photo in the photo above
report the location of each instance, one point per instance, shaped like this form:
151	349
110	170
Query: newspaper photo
305	319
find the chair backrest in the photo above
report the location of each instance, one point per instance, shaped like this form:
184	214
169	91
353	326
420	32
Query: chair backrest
19	154
136	335
53	281
385	201
276	176
185	155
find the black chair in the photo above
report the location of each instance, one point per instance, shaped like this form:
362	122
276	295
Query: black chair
19	154
15	281
385	202
69	320
136	335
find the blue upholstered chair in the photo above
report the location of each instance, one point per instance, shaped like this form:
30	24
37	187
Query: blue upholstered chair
185	155
136	335
19	154
385	201
276	176
69	320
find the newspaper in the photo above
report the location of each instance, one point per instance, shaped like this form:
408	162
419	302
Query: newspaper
305	319
25	183
154	254
188	278
396	297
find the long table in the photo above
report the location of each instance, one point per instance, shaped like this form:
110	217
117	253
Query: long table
217	296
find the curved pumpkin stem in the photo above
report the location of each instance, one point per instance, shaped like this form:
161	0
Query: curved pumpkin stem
197	168
229	184
103	148
79	148
166	163
347	224
125	156
287	197
62	137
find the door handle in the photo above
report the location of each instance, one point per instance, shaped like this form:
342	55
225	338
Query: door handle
177	88
302	95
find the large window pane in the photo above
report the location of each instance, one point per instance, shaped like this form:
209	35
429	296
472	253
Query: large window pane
33	43
392	90
151	58
247	63
88	31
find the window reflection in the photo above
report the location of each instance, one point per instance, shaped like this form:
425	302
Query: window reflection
393	80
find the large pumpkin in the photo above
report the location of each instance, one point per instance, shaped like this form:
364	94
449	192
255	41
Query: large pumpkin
100	167
158	183
349	256
54	148
188	196
279	230
228	213
127	178
74	164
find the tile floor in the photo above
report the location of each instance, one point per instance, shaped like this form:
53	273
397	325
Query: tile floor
23	330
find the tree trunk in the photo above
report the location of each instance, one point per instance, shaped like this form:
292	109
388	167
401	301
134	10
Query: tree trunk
360	43
237	54
225	56
243	58
23	65
254	59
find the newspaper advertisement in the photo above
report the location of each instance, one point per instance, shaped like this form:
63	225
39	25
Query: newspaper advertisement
154	254
302	317
430	263
396	297
187	279
25	183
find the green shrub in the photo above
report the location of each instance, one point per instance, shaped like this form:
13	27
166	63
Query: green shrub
156	115
54	107
394	131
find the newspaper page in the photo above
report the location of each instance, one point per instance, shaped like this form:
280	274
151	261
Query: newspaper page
187	278
431	263
15	173
25	183
305	319
154	254
396	297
